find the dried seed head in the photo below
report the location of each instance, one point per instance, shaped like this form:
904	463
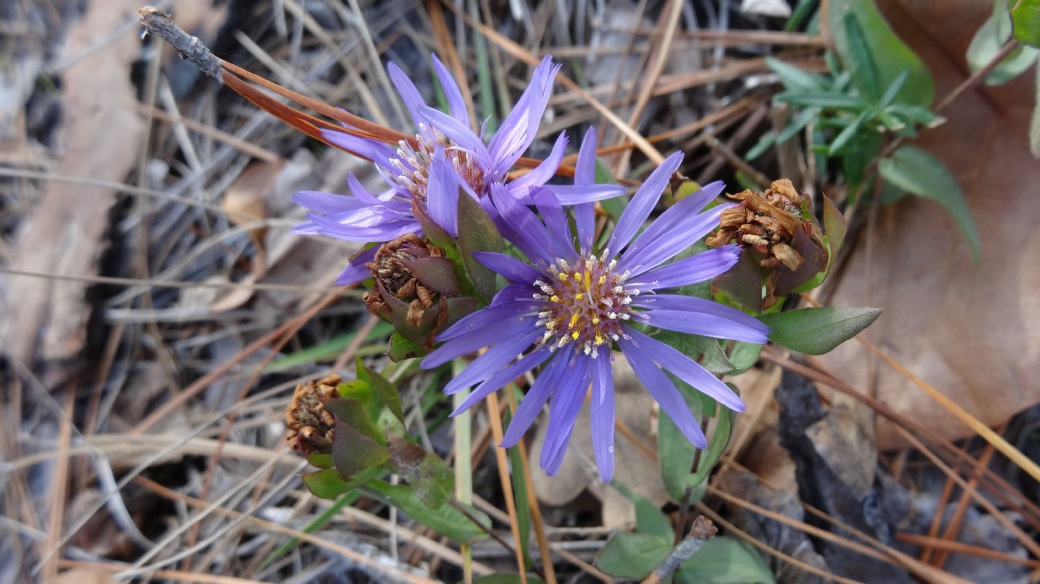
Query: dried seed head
768	223
392	272
310	424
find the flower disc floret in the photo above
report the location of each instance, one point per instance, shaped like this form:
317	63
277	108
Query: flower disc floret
584	304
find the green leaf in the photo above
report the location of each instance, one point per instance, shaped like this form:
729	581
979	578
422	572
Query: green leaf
327	351
352	411
633	555
719	441
847	134
1025	16
386	391
431	479
744	356
823	100
893	88
724	560
355	452
328	484
815	331
800	121
507	579
674	451
523	504
767	140
401	348
477	232
990	39
446	520
890	55
924	175
796	79
834	226
649	517
864	73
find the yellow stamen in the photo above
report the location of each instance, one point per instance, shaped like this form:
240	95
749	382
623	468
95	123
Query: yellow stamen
564	276
595	320
574	319
599	340
574	335
602	280
554	298
588	280
579	296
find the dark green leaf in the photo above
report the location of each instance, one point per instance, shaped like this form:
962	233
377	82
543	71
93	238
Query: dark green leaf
507	579
891	56
649	518
862	63
724	560
354	452
437	273
800	121
386	391
824	100
433	232
477	232
633	555
835	226
353	413
742	283
924	175
917	114
446	520
431	479
719	441
523	505
847	134
401	348
815	331
674	451
767	140
893	88
744	356
796	79
327	483
1025	15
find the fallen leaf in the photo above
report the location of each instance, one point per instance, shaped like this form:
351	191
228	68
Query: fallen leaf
45	320
969	331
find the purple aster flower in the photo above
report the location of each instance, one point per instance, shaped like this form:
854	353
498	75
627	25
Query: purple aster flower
570	306
447	155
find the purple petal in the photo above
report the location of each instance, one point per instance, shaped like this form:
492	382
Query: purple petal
663	391
700	306
508	267
485	318
409	94
364	226
356	270
584	175
456	103
496	381
602	411
703	266
566	402
375	151
578	194
458	133
442	194
477	339
642	203
540	174
536	397
518	129
327	203
687	369
521	227
359	191
555	223
490	362
704	325
685	210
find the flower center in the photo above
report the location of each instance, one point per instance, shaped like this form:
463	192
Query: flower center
584	304
413	163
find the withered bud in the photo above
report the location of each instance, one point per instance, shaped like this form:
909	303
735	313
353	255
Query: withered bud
310	424
775	226
412	271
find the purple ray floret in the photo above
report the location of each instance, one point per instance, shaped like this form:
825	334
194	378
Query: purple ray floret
448	156
568	307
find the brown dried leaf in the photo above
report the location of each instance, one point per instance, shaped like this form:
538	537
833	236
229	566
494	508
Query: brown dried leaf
42	319
970	332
